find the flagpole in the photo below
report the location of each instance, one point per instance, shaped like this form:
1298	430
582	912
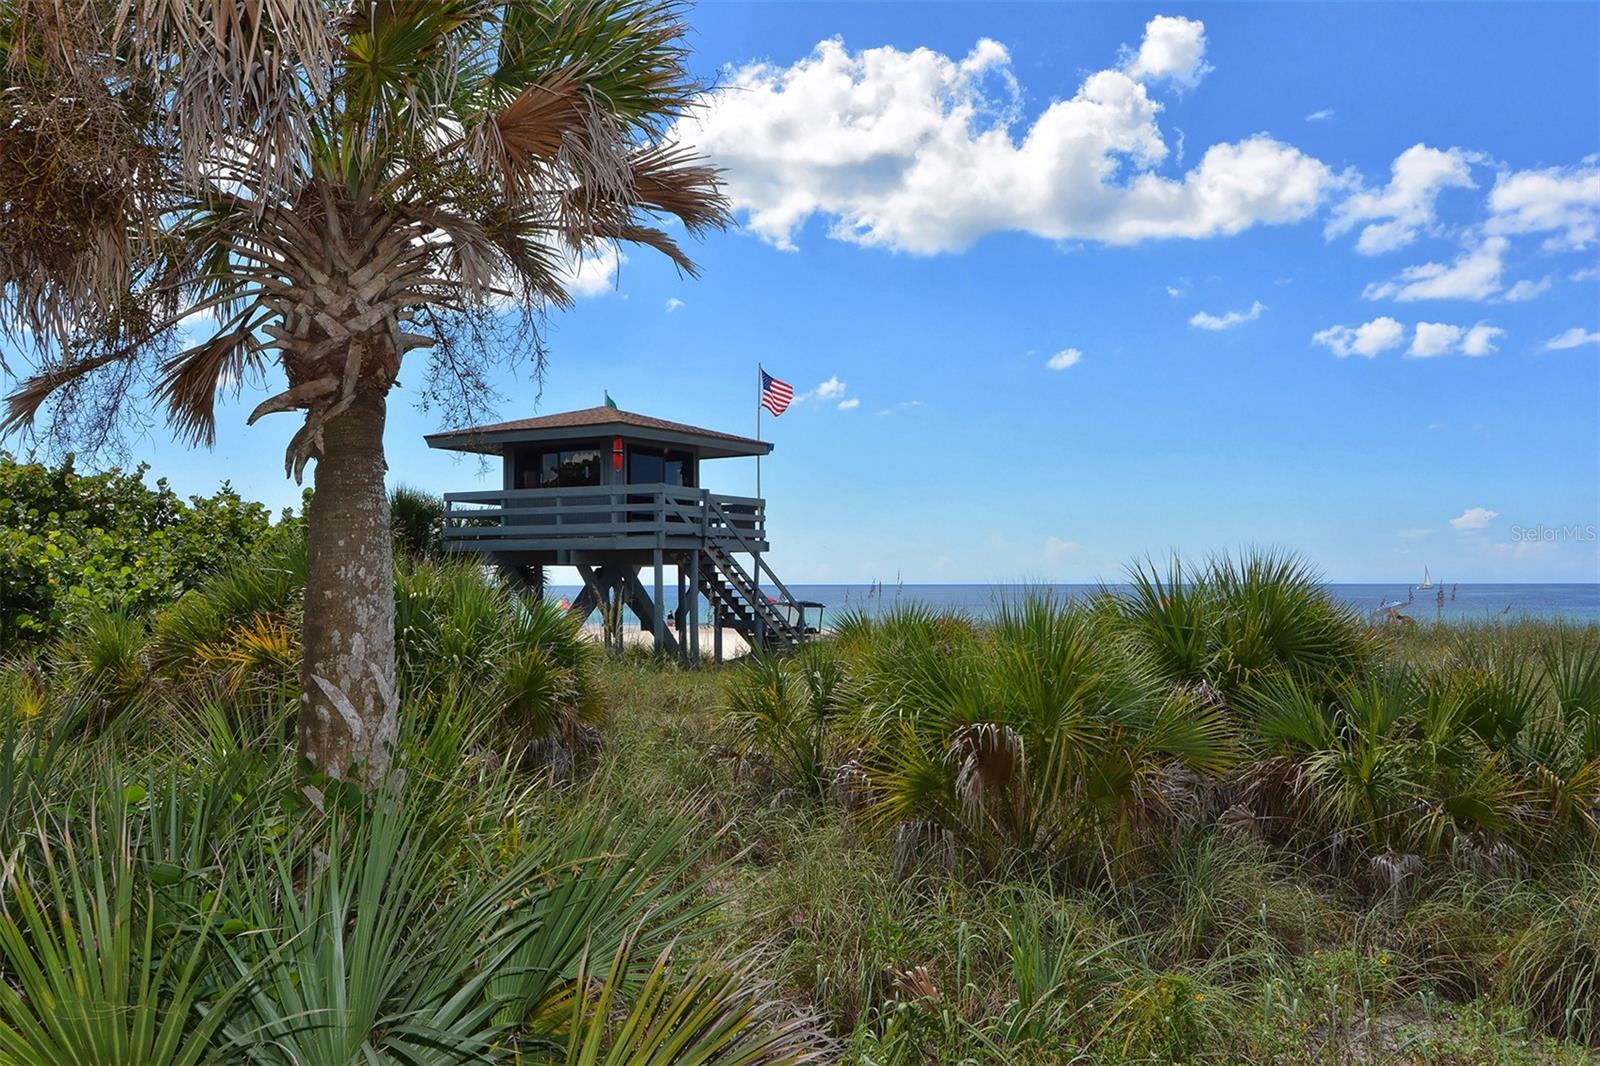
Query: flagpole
755	557
760	372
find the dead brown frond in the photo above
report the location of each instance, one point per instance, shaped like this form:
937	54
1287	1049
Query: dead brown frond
532	130
326	187
193	379
990	768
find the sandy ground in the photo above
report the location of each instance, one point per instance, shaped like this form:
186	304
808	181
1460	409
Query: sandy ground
733	645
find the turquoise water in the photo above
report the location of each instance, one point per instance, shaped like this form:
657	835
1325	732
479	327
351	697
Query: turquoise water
1469	603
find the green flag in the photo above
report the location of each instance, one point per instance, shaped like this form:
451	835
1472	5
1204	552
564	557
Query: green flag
609	401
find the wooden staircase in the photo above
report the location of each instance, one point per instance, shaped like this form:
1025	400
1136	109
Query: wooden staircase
736	593
738	602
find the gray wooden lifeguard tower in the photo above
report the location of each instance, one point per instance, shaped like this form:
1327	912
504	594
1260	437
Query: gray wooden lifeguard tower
610	493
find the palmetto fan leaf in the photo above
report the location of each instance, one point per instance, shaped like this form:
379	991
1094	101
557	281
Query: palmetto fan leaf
1047	730
332	185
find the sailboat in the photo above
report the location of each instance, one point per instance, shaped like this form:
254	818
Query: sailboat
1427	579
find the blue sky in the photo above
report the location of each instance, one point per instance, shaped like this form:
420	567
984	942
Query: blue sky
1388	213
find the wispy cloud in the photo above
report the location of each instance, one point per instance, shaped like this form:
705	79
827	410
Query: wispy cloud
1474	518
851	404
1398	213
595	273
1056	549
1526	290
1320	116
903	405
1475	275
673	303
1433	338
1064	358
1216	323
1572	338
1481	340
1442	338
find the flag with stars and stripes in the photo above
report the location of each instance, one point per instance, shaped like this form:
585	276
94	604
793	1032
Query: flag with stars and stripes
775	394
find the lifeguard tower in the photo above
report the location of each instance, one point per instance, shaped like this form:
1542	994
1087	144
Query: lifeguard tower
611	493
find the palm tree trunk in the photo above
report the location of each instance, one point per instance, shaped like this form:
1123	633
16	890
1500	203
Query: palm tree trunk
347	676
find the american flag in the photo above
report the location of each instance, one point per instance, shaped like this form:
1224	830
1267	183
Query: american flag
775	394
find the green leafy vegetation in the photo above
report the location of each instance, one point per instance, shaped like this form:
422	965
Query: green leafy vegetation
74	544
1213	821
1207	816
179	891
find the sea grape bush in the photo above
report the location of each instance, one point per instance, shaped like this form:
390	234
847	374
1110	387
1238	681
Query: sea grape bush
74	544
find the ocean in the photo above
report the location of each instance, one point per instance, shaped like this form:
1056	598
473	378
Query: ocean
1462	603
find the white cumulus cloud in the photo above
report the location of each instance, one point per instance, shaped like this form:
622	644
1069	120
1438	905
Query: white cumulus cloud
1572	338
920	152
1441	338
1064	358
1434	338
1205	320
1474	518
673	303
1400	211
1481	340
851	404
594	273
1561	201
832	389
1475	275
1367	340
1173	48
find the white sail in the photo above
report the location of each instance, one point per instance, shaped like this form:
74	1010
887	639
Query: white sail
1427	579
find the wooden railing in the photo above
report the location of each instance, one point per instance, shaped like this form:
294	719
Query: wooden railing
742	543
602	516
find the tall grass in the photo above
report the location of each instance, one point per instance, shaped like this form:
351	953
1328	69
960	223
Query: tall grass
1281	823
1211	819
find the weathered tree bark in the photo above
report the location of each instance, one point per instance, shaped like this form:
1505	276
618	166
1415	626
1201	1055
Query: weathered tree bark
347	705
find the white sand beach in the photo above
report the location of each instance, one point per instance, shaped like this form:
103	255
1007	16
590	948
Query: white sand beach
733	645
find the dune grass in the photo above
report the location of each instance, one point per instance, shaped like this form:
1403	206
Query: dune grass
1214	821
1084	834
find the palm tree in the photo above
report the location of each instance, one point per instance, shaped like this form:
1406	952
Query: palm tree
329	185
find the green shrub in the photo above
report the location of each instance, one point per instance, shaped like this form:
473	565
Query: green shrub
74	544
92	976
782	710
185	901
1236	624
1047	732
527	664
416	519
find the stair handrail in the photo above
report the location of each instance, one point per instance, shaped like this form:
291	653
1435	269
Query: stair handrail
760	565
